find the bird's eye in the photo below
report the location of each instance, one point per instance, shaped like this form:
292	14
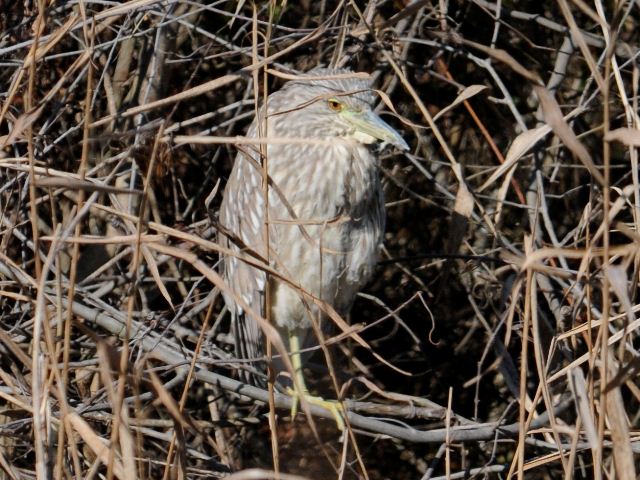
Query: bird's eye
335	105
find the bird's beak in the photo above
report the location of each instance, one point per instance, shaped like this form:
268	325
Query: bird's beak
369	127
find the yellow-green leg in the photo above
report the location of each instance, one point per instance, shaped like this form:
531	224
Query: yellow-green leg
296	360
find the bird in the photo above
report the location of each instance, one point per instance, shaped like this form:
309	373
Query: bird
323	217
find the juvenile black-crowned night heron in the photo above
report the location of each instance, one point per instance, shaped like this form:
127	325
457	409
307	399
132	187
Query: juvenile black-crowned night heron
325	207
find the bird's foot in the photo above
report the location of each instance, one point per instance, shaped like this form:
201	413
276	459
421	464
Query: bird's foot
335	407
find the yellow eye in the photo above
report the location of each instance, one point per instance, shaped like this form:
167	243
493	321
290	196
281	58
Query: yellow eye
335	105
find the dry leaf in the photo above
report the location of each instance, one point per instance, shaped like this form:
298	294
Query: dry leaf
628	136
618	280
98	445
22	123
127	446
466	94
553	115
623	457
168	401
520	146
77	184
463	208
578	386
504	57
464	201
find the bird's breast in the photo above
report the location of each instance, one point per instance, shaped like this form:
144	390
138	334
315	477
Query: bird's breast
319	186
327	220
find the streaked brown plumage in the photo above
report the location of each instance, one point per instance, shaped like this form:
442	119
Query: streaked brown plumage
326	210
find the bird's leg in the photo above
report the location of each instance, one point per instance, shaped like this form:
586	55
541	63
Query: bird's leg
296	361
299	382
300	387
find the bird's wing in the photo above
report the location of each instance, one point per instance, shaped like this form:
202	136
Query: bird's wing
242	221
366	241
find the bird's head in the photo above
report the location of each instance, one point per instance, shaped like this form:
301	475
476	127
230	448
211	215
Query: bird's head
339	107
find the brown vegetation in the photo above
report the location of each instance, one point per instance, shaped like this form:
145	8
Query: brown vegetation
500	332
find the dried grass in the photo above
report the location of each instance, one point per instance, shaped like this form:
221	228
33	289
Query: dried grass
499	337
